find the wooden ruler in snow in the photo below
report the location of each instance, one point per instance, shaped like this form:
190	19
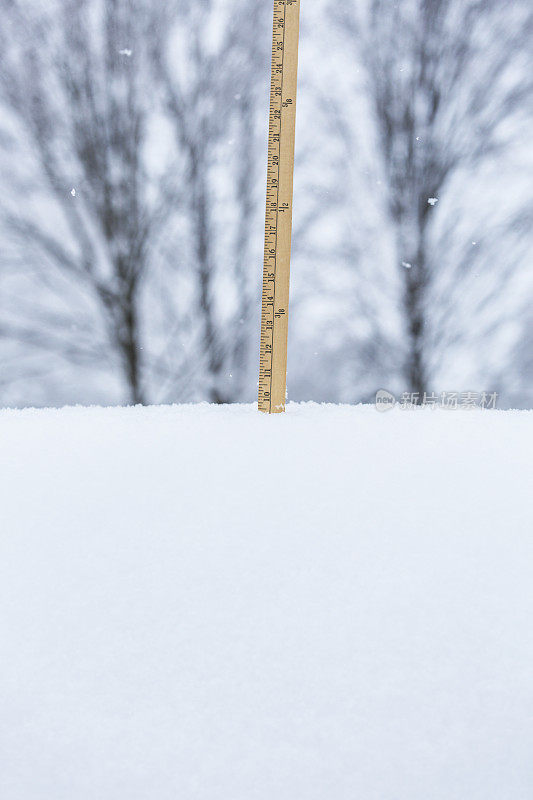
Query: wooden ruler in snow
278	226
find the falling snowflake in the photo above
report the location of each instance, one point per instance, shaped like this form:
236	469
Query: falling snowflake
433	201
125	52
406	264
73	192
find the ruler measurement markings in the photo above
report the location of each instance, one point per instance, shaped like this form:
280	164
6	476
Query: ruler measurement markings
267	373
277	212
273	339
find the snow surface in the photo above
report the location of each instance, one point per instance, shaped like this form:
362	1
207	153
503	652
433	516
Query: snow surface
207	603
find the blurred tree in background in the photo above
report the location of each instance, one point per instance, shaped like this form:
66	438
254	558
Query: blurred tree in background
83	209
132	174
130	142
449	86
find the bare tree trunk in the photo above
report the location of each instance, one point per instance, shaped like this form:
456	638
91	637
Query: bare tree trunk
202	248
130	347
415	369
415	270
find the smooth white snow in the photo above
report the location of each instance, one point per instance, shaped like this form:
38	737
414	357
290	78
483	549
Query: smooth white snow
202	603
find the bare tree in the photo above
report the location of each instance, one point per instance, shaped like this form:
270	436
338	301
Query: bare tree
450	86
73	78
210	89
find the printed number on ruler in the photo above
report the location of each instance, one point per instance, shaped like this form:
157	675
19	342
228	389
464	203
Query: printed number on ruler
278	225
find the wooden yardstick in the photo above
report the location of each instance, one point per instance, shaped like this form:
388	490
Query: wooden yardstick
278	226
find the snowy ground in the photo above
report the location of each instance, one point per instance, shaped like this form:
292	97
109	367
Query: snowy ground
203	603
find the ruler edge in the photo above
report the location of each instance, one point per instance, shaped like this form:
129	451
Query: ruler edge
280	408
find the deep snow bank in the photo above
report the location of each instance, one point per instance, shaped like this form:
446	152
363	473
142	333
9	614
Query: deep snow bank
212	604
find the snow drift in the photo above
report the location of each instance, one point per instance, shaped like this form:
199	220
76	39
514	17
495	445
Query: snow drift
209	603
